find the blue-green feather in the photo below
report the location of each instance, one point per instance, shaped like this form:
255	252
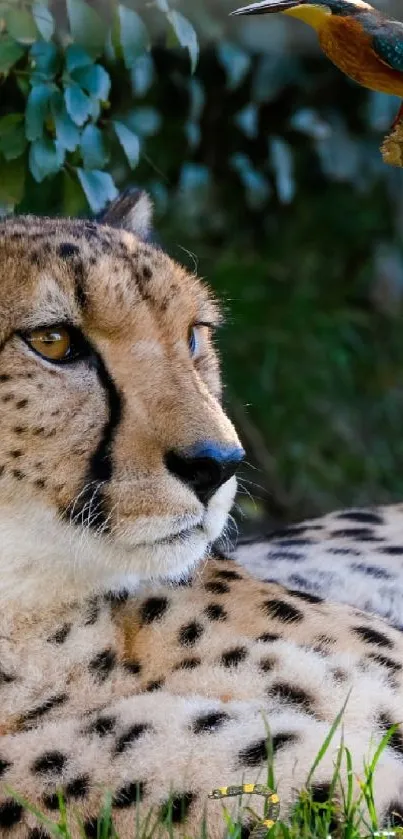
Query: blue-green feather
388	44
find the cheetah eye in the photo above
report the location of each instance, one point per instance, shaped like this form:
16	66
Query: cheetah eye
60	344
194	341
198	335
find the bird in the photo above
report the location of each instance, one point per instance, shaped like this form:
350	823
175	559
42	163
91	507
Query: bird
362	42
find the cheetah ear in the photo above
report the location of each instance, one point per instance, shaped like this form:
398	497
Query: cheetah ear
132	211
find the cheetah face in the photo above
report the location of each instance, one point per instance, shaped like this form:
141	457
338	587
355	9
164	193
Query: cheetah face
116	457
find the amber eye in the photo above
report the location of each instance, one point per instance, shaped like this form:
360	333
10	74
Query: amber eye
57	343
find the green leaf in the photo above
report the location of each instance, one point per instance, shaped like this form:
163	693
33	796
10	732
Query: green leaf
12	182
44	61
186	36
93	149
44	20
98	187
46	157
95	80
21	26
78	104
12	136
67	132
86	26
37	110
77	57
133	35
10	53
129	141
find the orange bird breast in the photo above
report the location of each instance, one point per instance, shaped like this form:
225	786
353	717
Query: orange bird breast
344	41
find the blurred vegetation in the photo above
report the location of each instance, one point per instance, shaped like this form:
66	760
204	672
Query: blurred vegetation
265	168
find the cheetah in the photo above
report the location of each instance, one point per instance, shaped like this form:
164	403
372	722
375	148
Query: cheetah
135	658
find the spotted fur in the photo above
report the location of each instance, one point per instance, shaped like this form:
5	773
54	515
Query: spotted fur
132	657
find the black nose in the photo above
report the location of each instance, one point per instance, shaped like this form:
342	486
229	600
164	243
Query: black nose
205	466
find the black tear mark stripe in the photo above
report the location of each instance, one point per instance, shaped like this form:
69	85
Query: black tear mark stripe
89	508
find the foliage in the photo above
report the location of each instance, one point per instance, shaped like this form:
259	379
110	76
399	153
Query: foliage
58	73
267	166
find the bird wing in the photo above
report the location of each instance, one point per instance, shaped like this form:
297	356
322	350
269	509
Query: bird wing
388	44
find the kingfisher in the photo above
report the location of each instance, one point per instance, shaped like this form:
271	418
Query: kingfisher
358	39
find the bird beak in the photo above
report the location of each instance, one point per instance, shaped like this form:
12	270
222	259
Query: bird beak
267	6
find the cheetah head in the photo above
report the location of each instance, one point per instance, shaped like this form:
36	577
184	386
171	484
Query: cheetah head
117	460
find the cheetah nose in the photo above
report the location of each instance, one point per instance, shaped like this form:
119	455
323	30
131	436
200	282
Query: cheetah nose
205	466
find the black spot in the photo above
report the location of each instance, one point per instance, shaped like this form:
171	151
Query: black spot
190	633
395	741
209	722
156	684
371	571
281	739
253	755
102	664
133	667
353	533
5	377
91	509
18	474
177	808
67	249
267	664
343	551
215	612
6	678
50	762
22	403
293	530
226	574
147	272
217	587
129	794
92	829
102	726
153	609
15	453
60	635
363	516
283	611
4	765
78	787
117	598
372	636
292	695
392	550
267	637
305	595
385	661
320	793
92	612
41	710
51	801
10	813
188	664
130	736
294	543
40	483
231	658
394	815
286	556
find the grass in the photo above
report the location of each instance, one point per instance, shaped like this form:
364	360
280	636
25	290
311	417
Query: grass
338	813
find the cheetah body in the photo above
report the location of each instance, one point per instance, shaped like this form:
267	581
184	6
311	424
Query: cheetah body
133	658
